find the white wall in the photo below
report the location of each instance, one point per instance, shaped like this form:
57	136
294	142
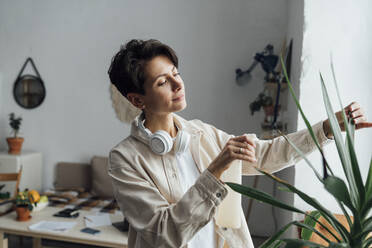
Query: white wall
72	44
342	28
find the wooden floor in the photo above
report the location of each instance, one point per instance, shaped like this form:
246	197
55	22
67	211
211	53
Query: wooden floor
17	242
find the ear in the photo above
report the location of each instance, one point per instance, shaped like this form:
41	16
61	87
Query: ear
137	100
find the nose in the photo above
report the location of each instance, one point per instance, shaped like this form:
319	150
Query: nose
176	84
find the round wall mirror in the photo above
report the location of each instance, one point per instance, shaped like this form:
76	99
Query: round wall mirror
29	91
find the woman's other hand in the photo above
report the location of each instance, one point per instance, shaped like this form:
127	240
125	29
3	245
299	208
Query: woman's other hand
240	147
353	111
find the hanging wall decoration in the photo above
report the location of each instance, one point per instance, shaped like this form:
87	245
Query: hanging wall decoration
29	90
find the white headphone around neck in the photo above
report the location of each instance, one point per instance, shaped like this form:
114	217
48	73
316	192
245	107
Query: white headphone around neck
161	142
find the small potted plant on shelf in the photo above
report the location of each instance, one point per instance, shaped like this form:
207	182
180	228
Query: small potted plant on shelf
263	101
267	103
15	142
24	205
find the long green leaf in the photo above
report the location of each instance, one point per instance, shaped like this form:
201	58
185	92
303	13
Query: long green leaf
337	187
347	124
343	154
346	214
312	229
366	208
367	242
310	129
352	131
352	169
339	99
363	234
355	167
369	182
305	233
276	244
339	245
313	202
357	226
273	238
367	223
304	157
309	217
349	144
324	226
261	196
284	189
264	197
349	127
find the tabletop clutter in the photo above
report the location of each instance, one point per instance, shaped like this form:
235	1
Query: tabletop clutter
81	200
71	203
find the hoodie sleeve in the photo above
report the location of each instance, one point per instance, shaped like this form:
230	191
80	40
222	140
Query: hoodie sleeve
275	154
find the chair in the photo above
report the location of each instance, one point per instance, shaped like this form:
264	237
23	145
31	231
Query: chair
10	177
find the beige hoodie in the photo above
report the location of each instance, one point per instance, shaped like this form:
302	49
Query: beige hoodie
148	191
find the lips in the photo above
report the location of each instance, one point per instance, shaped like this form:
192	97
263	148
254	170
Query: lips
178	98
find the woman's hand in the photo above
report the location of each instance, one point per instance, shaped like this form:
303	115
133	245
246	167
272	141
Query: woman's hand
353	111
240	147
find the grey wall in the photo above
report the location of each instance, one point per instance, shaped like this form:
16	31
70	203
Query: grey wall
295	21
1	93
72	44
295	32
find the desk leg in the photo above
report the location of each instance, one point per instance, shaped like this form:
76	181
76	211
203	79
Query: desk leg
3	241
36	242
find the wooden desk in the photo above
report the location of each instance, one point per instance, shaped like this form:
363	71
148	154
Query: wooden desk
108	237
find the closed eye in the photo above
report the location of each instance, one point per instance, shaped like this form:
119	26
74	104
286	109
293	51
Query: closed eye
165	81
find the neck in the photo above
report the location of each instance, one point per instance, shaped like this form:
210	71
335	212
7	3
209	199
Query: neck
155	122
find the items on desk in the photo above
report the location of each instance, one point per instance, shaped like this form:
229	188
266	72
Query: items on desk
52	226
122	226
90	230
83	200
110	208
102	219
68	213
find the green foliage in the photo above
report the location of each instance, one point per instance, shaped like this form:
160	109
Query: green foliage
23	200
15	124
262	100
306	233
353	196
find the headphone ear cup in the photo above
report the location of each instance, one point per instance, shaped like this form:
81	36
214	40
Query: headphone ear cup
161	142
182	142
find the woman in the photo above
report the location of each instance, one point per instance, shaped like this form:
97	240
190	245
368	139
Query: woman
166	174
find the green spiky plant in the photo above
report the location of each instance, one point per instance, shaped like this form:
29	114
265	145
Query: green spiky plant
23	200
353	194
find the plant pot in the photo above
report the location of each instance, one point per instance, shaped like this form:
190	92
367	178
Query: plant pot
270	110
23	213
15	145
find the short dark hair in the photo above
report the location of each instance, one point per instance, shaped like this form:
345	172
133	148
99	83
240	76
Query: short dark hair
127	69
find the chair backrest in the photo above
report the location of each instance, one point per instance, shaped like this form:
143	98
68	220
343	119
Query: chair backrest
12	177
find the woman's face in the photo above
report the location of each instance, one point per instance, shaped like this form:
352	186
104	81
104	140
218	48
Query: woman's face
164	89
